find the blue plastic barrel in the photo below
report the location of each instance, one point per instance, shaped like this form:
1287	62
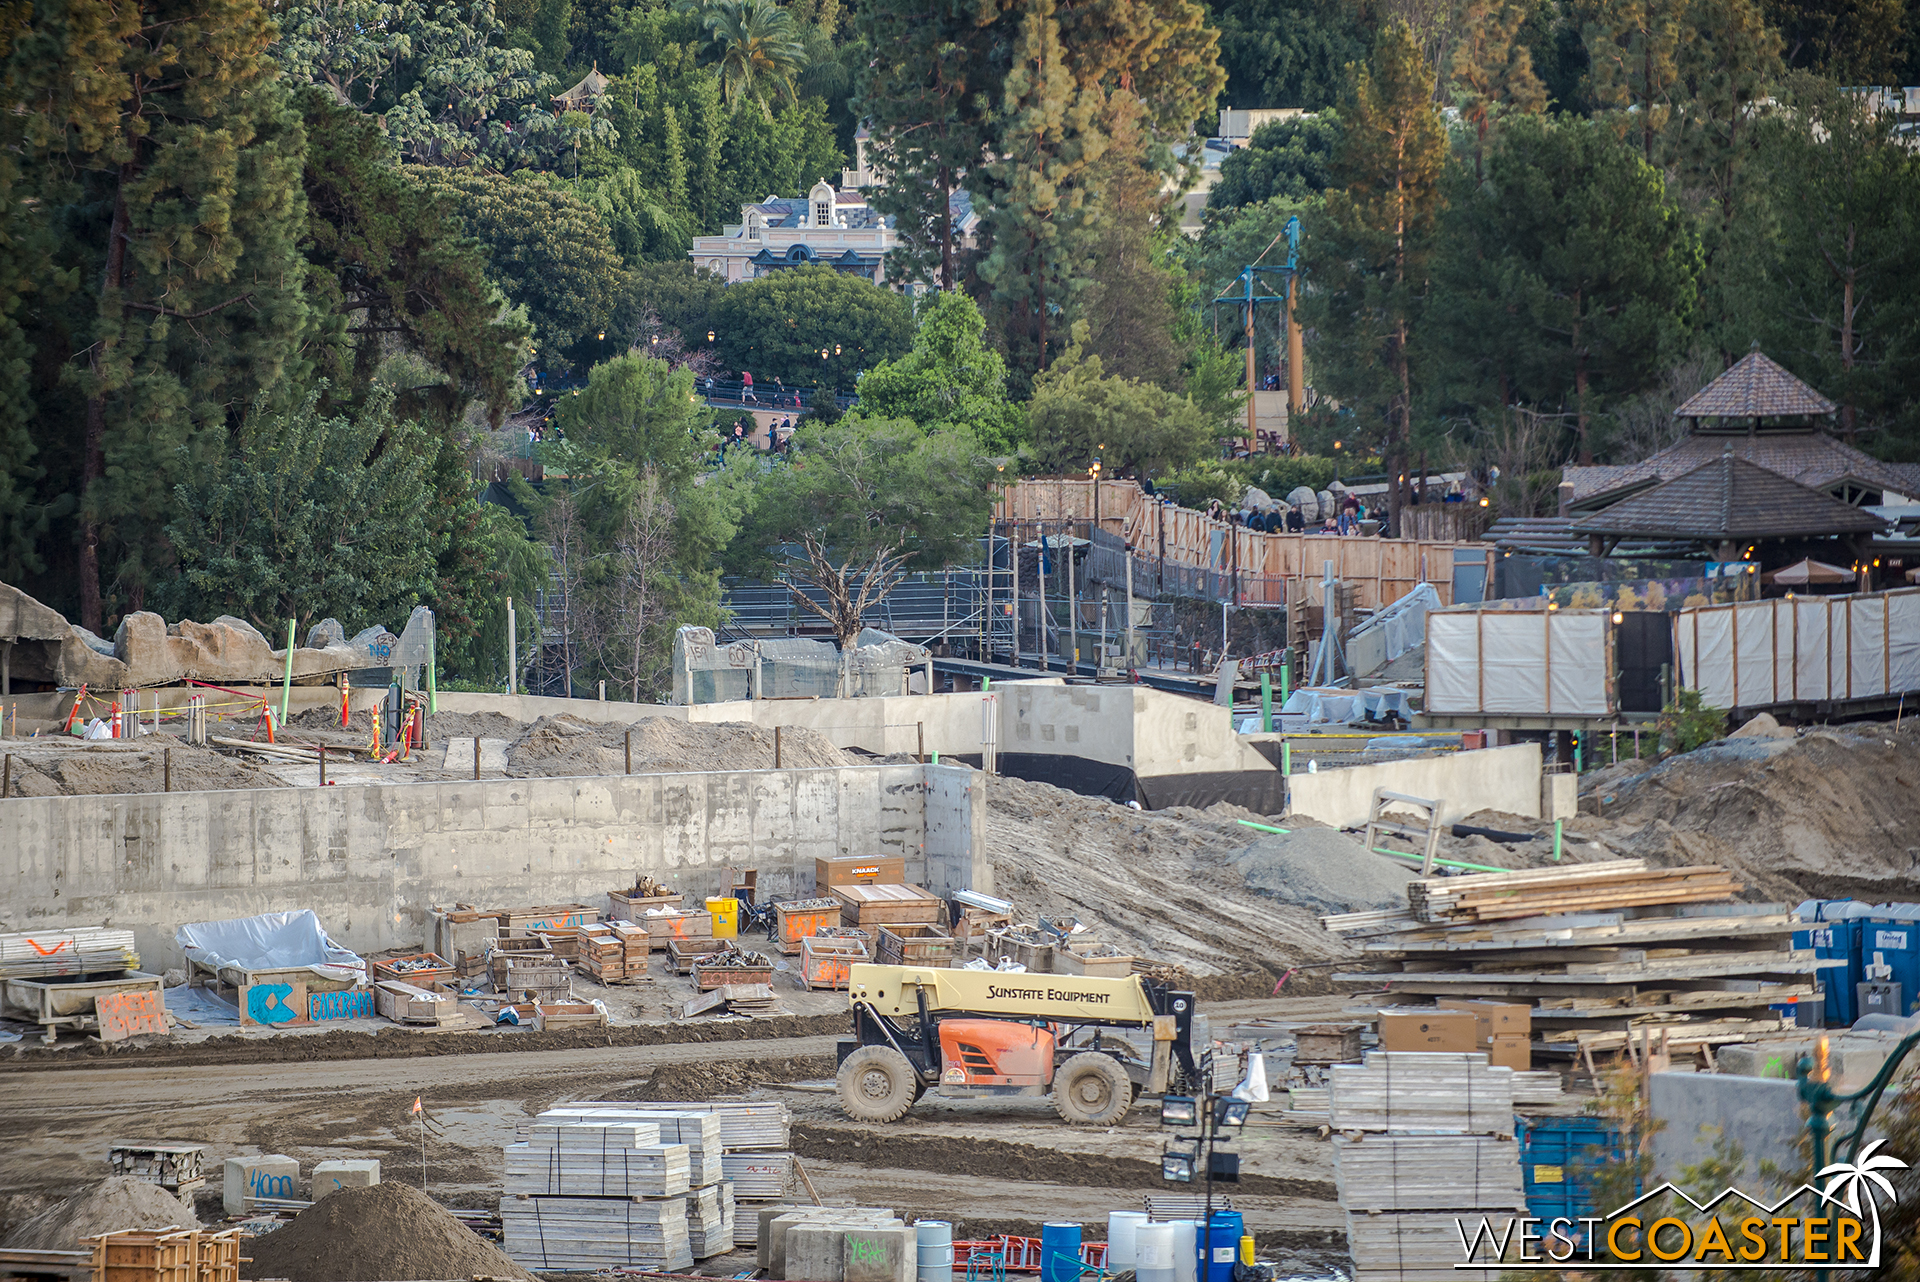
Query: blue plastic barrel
1222	1238
1059	1253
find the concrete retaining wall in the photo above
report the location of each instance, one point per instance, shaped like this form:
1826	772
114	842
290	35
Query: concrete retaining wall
373	860
1504	779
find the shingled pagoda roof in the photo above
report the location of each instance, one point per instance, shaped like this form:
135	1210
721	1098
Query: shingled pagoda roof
1755	388
1729	499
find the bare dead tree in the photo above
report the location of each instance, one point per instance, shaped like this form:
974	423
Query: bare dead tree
562	527
634	600
878	574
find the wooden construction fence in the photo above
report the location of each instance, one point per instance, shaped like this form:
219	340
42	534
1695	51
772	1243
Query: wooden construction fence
1268	569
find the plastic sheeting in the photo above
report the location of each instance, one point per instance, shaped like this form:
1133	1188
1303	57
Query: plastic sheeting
1331	705
1807	649
271	941
1404	621
1520	662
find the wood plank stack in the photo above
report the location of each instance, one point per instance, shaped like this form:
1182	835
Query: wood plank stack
1593	950
613	952
580	1159
178	1168
711	1220
594	1188
49	954
591	1234
755	1162
1426	1142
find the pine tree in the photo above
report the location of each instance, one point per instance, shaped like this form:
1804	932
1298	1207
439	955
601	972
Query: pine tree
196	278
1371	262
1491	71
1632	47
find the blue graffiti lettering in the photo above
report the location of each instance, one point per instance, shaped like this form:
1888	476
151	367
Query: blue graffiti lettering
355	1003
267	1004
266	1185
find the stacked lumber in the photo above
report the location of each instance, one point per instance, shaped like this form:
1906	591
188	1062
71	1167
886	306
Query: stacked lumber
52	954
591	1234
699	1132
1623	883
582	1159
1594	950
758	1177
755	1164
612	952
711	1220
743	1124
738	999
1426	1142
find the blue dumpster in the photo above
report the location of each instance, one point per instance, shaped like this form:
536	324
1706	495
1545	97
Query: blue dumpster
1558	1159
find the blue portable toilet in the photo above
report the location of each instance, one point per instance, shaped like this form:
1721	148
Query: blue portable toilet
1892	933
1833	933
1558	1159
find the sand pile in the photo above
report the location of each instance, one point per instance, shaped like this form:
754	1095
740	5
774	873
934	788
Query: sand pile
1324	870
119	1202
387	1233
1835	812
75	768
567	745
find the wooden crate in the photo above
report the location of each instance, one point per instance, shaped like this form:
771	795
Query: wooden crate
683	953
913	945
220	1257
560	1015
1327	1043
1101	961
1006	946
826	961
436	968
634	907
406	1004
548	917
795	919
828	873
561	941
146	1255
709	975
664	929
869	907
180	1168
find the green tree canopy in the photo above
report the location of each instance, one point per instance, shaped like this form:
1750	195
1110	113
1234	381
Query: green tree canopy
951	378
777	326
641	412
1290	53
867	500
1291	158
307	516
547	249
1080	413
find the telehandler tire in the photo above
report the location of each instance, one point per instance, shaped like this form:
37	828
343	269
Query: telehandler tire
1091	1089
877	1084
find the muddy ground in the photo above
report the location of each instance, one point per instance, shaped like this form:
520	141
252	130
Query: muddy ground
990	1165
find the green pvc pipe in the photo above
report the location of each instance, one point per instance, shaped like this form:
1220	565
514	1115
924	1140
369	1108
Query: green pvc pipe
1263	827
286	683
1286	672
1440	863
433	674
1286	759
1266	703
1556	840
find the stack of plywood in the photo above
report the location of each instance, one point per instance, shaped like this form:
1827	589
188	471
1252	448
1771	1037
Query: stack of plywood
596	1192
1425	1146
756	1161
1601	955
50	954
711	1221
699	1131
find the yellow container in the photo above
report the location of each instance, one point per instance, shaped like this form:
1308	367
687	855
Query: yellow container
726	917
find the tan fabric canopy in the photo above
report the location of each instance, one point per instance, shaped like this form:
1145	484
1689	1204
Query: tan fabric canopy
1808	571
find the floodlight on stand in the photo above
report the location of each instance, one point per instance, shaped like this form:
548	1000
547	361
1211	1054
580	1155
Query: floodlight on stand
1228	1111
1224	1167
1178	1164
1178	1110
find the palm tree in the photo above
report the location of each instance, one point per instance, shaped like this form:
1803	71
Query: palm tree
1862	1176
758	43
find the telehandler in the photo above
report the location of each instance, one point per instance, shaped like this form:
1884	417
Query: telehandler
1090	1044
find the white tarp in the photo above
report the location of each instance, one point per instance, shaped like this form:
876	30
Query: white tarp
1811	648
1404	622
271	941
1520	662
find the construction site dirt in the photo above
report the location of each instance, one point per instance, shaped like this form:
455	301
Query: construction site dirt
56	1123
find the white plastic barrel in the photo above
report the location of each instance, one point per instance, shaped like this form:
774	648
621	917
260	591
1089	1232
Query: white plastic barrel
1186	1250
1122	1230
1153	1252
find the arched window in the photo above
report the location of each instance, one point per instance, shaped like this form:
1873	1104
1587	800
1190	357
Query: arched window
821	198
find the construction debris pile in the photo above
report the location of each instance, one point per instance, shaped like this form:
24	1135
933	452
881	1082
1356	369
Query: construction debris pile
117	1202
1598	954
388	1232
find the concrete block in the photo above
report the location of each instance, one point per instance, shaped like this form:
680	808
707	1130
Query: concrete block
246	1178
1699	1110
881	1254
1559	797
345	1173
775	1227
815	1252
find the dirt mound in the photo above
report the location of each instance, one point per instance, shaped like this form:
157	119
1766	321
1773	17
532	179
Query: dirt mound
77	769
387	1233
719	1077
1163	884
119	1202
567	745
1835	811
468	725
1324	870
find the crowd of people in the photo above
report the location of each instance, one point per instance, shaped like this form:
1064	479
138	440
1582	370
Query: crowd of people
741	436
